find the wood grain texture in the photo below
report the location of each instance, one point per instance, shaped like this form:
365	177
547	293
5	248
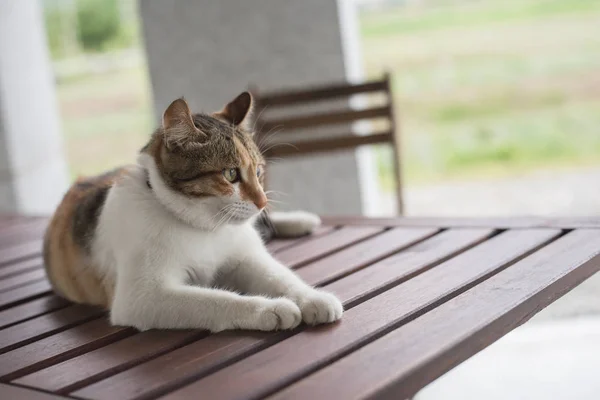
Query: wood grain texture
8	392
405	265
108	360
421	295
265	372
491	222
59	347
362	254
31	309
321	246
30	291
45	325
212	353
25	233
431	345
277	245
22	251
22	279
20	267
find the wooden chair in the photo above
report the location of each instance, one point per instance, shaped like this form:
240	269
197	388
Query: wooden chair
280	102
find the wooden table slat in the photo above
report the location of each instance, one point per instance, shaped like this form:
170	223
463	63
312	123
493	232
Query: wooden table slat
22	279
8	392
31	309
364	253
400	267
23	293
432	344
276	245
209	354
109	360
21	251
59	347
321	246
470	222
421	295
45	325
271	369
12	269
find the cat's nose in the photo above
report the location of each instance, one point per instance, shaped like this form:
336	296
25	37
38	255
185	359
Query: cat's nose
260	201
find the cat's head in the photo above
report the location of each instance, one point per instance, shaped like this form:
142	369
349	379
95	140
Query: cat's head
206	168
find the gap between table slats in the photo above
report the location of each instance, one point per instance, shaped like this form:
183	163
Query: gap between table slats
287	361
276	245
39	359
8	392
20	267
219	350
421	351
31	309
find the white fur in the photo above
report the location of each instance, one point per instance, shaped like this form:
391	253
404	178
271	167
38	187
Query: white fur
174	263
294	223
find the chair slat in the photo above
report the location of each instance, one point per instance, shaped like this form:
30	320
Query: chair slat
328	118
326	145
318	93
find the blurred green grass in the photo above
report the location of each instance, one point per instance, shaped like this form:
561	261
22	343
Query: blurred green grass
483	88
106	119
490	87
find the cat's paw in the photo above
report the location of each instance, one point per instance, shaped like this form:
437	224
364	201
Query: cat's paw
294	223
320	307
278	314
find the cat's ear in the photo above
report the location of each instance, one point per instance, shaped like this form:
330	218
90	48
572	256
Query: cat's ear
239	111
178	123
178	113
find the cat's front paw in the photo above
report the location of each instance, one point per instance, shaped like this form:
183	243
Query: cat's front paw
320	307
277	314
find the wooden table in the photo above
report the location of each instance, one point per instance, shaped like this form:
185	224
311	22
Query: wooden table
421	296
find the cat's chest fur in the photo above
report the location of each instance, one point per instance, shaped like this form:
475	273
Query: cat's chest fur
204	255
134	227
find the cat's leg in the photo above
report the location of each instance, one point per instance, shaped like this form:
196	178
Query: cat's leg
259	273
147	304
293	223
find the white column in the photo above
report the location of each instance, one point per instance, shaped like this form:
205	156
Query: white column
209	51
33	174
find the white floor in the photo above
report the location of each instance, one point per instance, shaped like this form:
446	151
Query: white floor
566	192
549	360
556	355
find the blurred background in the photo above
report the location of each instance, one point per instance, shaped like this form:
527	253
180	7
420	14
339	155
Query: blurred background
498	100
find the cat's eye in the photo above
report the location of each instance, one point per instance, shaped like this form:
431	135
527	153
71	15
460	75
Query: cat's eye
231	174
258	172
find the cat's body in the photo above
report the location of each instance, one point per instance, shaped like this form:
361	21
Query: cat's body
171	242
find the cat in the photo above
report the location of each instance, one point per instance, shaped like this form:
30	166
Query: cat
169	243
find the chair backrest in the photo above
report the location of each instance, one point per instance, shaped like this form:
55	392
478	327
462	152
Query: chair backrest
274	109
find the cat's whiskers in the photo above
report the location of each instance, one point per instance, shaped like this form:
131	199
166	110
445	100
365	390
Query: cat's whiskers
279	144
223	214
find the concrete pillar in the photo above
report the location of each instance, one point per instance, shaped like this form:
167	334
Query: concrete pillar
33	174
209	51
